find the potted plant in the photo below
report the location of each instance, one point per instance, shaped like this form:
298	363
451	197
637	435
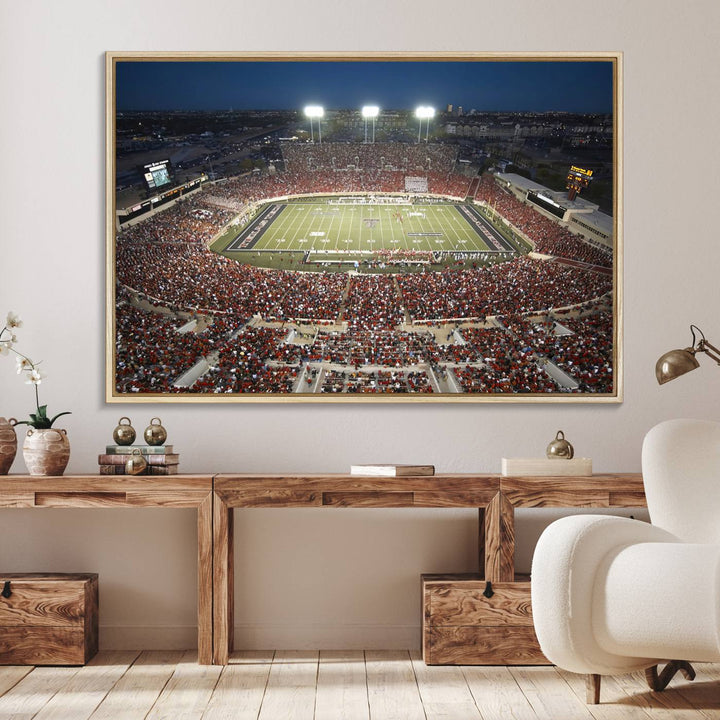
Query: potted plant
46	449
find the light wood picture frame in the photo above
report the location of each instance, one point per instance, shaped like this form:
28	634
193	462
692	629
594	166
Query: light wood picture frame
365	227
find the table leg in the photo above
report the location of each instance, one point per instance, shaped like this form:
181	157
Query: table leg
223	581
205	579
499	518
481	542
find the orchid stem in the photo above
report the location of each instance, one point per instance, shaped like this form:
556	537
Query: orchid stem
30	362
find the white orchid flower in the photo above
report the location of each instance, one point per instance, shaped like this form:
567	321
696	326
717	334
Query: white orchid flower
13	320
35	377
23	364
29	370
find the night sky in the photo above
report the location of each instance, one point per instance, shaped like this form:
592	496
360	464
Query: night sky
485	86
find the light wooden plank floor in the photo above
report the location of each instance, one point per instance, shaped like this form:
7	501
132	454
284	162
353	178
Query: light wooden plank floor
346	685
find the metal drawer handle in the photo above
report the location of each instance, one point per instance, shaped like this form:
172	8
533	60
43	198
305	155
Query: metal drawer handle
6	592
488	592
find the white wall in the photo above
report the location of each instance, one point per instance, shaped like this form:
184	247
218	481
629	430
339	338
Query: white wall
331	578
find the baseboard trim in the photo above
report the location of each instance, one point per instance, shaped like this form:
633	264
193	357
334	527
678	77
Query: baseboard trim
327	637
150	637
265	636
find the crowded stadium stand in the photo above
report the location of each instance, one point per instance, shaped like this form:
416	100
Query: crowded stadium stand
189	320
433	157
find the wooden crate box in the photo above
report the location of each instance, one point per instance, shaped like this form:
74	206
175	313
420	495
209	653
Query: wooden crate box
461	626
48	618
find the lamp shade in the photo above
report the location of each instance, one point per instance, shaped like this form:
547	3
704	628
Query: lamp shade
675	363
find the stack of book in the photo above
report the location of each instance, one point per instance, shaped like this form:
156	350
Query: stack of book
160	459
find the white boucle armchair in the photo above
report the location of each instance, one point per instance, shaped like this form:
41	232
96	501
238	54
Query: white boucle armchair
613	595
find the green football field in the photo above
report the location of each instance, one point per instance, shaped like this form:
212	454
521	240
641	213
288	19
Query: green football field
321	226
342	232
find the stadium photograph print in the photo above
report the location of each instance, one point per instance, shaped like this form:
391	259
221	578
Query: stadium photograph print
364	228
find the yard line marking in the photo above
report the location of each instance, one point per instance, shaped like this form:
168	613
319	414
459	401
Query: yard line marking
382	235
453	226
298	226
328	230
340	231
404	236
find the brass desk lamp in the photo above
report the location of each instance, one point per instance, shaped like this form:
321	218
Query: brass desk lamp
677	362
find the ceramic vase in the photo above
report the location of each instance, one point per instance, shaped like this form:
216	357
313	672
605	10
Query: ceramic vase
8	445
46	451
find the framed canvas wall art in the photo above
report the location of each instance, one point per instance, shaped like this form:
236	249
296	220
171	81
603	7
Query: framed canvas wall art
364	228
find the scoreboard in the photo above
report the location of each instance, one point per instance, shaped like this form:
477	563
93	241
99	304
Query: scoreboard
157	175
578	179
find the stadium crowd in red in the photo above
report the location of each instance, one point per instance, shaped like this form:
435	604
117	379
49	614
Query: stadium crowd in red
422	157
507	368
242	366
372	303
152	355
381	381
252	188
519	286
188	221
388	348
585	353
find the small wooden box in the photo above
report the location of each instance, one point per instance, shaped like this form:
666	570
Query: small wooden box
48	618
461	626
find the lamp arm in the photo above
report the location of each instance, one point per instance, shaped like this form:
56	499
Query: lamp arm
710	350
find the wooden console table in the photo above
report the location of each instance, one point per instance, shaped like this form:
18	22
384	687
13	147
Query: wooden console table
495	497
126	491
215	497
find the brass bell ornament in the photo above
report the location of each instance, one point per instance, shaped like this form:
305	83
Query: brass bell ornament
155	433
560	448
136	463
124	433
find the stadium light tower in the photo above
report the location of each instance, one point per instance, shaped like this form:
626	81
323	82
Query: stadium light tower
370	111
424	112
314	111
430	116
419	114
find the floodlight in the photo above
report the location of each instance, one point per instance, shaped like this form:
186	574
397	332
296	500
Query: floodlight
370	111
314	111
424	112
